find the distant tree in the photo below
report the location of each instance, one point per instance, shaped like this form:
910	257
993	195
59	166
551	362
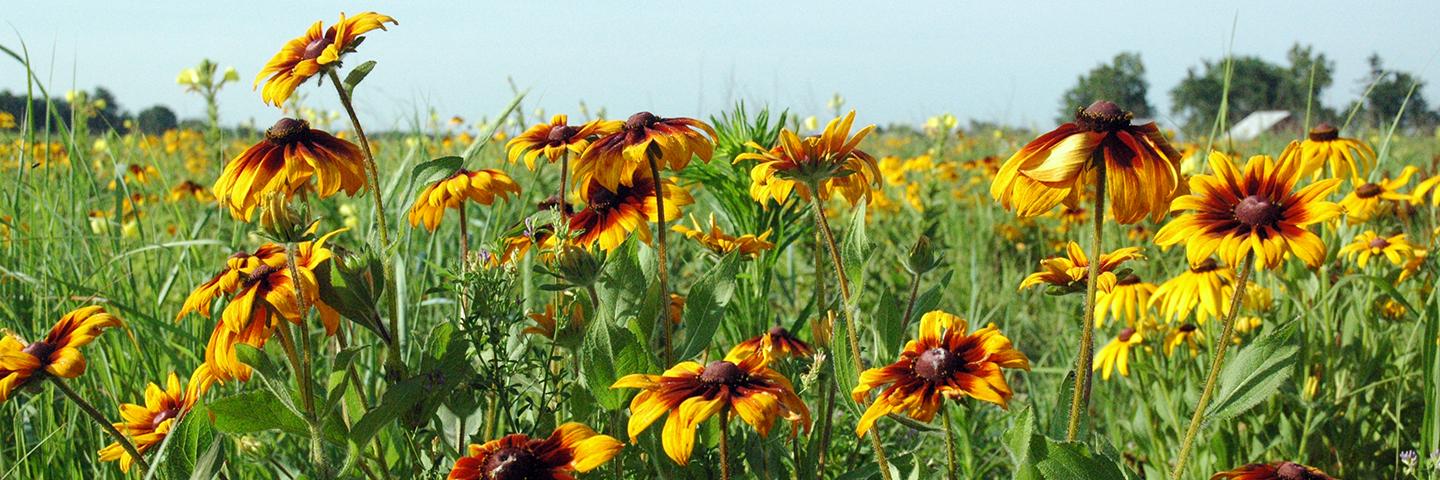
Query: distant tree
1121	81
1255	84
156	120
107	114
1388	95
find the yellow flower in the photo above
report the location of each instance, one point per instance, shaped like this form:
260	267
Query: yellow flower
774	344
284	162
613	160
1395	248
831	160
57	354
721	243
190	190
1272	471
556	138
1367	200
480	186
313	53
1233	213
1201	289
1347	158
1127	299
610	215
1429	186
1071	272
572	447
1115	355
147	425
1186	334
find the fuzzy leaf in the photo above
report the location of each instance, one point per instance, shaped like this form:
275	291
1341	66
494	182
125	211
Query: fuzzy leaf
705	305
1256	373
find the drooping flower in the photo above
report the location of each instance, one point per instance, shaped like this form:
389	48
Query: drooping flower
1259	210
290	155
1115	355
1394	248
189	190
147	425
556	139
1370	200
572	447
1186	334
1273	471
1126	299
945	362
480	186
1348	158
611	215
831	160
313	53
1071	271
614	160
774	344
1142	170
721	243
690	393
57	354
1202	289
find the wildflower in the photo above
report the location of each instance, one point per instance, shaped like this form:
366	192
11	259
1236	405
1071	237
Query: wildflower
480	186
1069	273
57	354
147	425
612	160
572	447
315	52
1186	334
1412	266
1273	471
1257	210
774	344
1202	289
721	243
831	160
190	190
690	393
1347	158
1142	170
676	307
284	162
1429	186
1126	299
556	138
943	363
610	215
548	324
1395	248
1115	355
1368	200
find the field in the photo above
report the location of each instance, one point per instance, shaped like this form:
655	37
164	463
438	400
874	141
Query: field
309	301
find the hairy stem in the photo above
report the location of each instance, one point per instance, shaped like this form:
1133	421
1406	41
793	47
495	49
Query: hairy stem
99	418
1083	373
949	445
662	272
725	442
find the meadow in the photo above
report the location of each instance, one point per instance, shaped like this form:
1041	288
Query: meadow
747	295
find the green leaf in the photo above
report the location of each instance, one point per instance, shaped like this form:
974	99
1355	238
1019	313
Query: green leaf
1023	442
886	318
428	172
1060	414
705	305
1075	461
855	252
209	464
398	399
1256	373
357	75
237	414
843	367
176	456
269	374
607	354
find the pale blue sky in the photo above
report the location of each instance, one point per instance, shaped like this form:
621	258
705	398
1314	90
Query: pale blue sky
893	61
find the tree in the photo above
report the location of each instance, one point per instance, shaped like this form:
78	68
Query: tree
1388	94
156	120
1255	85
1122	81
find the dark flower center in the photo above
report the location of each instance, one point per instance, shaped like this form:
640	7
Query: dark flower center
1324	132
1103	116
286	130
641	120
1129	279
937	364
163	415
1257	211
513	463
40	349
722	373
553	201
1126	334
561	133
315	48
1208	265
779	331
259	274
1379	242
602	200
1187	328
1367	190
1292	471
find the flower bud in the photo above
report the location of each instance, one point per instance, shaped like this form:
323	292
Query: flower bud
921	258
578	266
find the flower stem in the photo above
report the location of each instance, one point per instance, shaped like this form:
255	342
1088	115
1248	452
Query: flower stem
949	445
662	273
827	411
1210	379
100	419
565	185
851	335
725	442
910	306
1083	373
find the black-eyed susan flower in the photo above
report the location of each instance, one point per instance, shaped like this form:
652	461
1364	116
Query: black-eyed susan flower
1429	186
556	139
1186	334
945	362
290	155
832	161
550	323
147	425
689	393
774	344
1201	289
1272	471
1394	248
317	51
1259	210
1348	158
1115	355
1418	256
1142	170
1126	299
57	354
572	447
1069	272
1370	200
479	186
613	160
189	190
611	215
721	243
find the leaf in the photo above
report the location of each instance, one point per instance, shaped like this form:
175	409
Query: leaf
1023	441
398	399
1256	373
886	318
601	356
269	375
705	305
1075	461
238	414
176	455
855	252
357	75
428	172
843	367
208	464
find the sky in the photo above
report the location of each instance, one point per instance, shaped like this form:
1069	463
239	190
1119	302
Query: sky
891	61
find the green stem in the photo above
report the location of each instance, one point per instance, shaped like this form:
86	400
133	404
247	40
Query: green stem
100	419
910	306
725	442
1083	373
663	273
1235	297
949	445
827	411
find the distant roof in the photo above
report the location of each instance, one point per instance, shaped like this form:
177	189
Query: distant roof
1257	123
